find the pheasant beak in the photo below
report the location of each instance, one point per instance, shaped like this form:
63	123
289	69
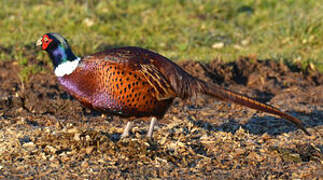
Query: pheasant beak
39	42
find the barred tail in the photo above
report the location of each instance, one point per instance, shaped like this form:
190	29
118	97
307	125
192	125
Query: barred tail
227	95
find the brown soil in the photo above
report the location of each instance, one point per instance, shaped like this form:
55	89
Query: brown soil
44	133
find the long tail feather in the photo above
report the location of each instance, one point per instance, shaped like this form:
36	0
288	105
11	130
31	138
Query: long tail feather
227	95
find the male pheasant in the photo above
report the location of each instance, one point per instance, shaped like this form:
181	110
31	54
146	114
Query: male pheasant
134	82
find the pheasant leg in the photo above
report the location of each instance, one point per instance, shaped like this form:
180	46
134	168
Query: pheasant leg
151	127
126	130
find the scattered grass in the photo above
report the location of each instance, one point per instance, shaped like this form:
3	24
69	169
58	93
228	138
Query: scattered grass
199	30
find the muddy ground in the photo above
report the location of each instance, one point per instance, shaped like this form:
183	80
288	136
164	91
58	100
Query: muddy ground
44	133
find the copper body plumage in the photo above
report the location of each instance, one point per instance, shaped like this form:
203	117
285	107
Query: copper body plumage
120	82
135	82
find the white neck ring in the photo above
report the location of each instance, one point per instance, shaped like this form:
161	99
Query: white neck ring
67	67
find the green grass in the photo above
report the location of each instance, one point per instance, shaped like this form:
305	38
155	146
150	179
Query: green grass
288	30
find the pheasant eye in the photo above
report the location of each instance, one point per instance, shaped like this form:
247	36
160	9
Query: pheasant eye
45	39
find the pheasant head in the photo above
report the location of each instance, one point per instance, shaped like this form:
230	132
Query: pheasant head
59	51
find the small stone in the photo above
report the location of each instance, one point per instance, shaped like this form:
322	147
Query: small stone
30	146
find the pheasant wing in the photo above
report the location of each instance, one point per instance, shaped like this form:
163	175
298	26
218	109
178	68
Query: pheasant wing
135	60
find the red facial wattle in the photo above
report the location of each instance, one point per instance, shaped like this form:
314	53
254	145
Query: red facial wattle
46	41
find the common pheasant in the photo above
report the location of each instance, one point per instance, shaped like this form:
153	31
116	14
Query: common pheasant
134	82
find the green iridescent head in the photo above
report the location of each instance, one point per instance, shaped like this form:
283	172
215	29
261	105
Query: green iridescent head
57	47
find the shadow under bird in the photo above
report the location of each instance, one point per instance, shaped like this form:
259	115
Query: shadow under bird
134	82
